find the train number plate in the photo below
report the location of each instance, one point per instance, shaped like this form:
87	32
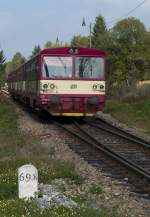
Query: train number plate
73	86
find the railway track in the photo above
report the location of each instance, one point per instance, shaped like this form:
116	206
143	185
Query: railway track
104	125
119	153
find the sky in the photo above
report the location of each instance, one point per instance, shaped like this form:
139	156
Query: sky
26	23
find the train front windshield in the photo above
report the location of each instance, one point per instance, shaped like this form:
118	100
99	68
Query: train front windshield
89	67
57	67
62	67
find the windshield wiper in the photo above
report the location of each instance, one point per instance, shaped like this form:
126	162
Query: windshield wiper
46	69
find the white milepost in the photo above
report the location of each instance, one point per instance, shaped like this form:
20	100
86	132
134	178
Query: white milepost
27	182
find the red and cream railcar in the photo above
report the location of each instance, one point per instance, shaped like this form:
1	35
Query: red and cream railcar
63	81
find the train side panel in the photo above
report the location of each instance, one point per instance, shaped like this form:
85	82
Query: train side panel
23	84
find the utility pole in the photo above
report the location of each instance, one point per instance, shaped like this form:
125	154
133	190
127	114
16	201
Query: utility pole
90	26
90	35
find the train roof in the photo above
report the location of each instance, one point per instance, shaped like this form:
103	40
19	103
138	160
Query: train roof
73	51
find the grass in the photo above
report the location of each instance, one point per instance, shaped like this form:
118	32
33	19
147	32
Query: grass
96	189
10	137
81	199
48	170
8	120
12	147
135	113
18	208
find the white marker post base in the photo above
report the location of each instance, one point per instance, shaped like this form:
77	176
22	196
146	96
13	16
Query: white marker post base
27	182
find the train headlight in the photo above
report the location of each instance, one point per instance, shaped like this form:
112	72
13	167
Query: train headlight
95	86
102	87
52	86
99	87
71	51
45	86
74	50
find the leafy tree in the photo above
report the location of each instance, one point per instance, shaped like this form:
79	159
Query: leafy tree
146	51
2	67
16	61
127	49
80	41
48	44
129	31
8	68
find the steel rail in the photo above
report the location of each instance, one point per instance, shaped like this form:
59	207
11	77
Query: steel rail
107	151
130	135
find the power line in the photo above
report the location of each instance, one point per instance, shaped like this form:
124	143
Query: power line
125	15
131	11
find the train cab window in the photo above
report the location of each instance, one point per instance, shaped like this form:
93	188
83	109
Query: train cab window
33	66
57	67
89	67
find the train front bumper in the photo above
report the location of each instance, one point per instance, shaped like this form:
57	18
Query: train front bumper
73	105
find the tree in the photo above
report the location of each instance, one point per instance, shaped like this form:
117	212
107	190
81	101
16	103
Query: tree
128	39
8	68
100	38
99	27
48	44
36	50
17	60
2	67
2	58
80	41
129	31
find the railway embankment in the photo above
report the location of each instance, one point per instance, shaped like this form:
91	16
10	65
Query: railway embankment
24	138
134	113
